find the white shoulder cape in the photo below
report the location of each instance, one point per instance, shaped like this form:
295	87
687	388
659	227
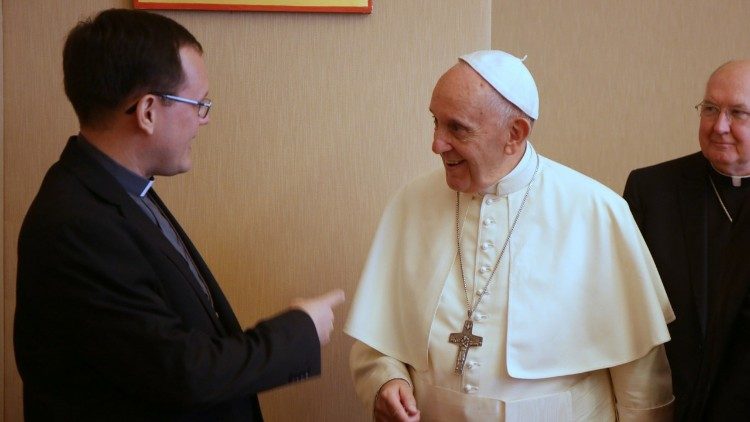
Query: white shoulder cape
584	293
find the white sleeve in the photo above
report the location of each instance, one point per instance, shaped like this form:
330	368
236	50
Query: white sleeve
643	388
371	369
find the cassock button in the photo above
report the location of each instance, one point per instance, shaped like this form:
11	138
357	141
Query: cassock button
489	201
488	221
486	293
470	389
486	245
484	269
472	364
479	317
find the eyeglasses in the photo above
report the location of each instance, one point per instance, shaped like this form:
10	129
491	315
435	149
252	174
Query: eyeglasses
204	106
711	111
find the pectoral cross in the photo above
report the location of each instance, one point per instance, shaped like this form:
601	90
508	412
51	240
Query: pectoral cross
464	339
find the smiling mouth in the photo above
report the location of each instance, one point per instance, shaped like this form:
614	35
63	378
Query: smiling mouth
452	163
722	144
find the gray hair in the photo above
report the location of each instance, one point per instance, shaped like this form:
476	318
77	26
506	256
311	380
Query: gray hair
507	110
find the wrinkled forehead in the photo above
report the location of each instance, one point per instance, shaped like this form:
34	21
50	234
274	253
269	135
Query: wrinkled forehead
462	83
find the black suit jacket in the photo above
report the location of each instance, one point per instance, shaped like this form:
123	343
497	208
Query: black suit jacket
669	202
111	324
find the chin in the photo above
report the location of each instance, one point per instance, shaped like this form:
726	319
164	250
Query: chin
185	166
457	182
462	188
454	184
175	171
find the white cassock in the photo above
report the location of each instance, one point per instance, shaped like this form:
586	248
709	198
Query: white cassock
574	321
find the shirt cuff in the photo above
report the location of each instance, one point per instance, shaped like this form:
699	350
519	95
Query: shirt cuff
371	370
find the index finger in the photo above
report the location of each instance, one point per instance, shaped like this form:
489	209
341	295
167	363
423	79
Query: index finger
334	297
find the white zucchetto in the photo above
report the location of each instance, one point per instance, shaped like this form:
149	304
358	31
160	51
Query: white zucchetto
509	76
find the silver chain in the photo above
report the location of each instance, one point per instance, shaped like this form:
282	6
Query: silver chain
469	308
726	211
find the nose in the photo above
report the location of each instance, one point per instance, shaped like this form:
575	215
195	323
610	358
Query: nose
439	144
722	123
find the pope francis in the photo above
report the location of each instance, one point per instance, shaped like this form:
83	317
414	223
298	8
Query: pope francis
521	291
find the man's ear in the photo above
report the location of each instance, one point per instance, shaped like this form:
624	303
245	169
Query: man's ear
518	129
146	113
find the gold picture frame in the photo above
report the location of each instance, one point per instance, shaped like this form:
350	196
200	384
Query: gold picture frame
319	6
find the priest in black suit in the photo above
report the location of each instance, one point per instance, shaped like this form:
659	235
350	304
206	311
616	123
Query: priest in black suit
695	217
118	317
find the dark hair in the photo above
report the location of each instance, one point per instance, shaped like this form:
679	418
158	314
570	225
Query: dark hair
119	55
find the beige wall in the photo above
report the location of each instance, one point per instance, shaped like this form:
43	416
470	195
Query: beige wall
319	118
618	79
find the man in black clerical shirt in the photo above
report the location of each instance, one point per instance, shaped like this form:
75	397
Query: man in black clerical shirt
118	318
694	216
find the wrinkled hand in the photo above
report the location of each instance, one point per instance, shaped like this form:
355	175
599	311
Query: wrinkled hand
395	402
320	309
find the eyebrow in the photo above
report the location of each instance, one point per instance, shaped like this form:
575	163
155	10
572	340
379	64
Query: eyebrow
735	105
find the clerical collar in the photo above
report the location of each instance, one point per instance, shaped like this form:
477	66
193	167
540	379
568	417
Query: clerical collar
134	184
520	176
736	181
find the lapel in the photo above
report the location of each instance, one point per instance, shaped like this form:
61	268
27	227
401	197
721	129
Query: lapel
220	305
138	218
692	192
106	187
